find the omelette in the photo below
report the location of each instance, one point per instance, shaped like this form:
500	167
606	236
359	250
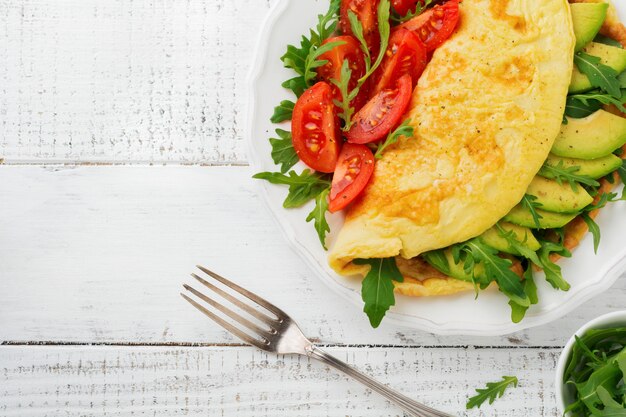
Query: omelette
485	115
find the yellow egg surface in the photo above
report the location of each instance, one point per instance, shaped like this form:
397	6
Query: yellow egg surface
485	114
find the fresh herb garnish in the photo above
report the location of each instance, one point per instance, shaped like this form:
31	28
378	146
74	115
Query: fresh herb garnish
493	391
554	276
561	174
283	111
583	105
517	246
405	129
621	171
595	373
530	203
384	29
283	153
304	59
377	287
518	312
318	215
343	84
594	229
302	188
600	75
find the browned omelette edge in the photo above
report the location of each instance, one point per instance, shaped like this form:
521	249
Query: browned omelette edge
423	280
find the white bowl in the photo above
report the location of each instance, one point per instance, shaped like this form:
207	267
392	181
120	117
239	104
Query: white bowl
565	395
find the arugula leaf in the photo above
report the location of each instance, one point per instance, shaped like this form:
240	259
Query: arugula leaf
583	105
594	229
530	203
553	271
405	129
579	108
605	198
283	111
600	75
283	152
493	391
498	269
560	173
518	312
319	216
518	246
302	188
296	84
347	96
357	31
419	9
608	41
377	287
304	59
384	29
621	171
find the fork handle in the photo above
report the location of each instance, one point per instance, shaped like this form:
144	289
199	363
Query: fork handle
410	406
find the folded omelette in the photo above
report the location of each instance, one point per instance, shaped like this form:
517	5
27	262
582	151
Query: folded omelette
485	114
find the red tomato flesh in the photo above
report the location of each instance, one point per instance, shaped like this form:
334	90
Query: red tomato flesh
367	13
354	169
435	25
382	113
314	128
402	7
406	55
351	51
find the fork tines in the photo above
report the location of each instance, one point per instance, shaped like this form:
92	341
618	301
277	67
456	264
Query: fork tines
263	335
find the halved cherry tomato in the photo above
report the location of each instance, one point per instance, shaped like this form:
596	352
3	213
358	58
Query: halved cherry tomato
354	169
350	50
314	128
402	7
367	12
382	113
406	55
435	25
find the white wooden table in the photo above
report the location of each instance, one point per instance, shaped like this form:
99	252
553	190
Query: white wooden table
124	166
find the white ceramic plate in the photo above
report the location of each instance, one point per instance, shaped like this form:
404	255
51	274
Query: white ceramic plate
589	274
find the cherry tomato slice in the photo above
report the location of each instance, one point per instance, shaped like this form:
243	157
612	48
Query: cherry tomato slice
314	128
367	12
354	169
402	7
406	55
350	50
435	25
382	113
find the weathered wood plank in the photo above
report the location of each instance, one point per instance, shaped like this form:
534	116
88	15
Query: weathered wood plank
119	81
98	254
90	381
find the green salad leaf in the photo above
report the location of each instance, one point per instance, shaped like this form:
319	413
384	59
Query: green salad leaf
562	174
377	287
554	276
530	203
594	229
420	8
518	312
318	215
302	187
405	129
283	153
283	111
600	75
583	105
346	95
493	391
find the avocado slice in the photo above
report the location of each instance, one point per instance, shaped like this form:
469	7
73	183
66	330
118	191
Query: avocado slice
594	168
592	137
522	217
587	18
523	235
558	198
609	55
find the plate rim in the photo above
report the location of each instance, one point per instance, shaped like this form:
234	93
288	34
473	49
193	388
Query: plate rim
609	276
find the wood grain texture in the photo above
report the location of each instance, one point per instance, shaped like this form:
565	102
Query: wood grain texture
98	255
125	81
36	382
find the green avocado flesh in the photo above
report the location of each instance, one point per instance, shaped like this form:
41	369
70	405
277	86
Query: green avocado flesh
558	198
587	18
522	217
523	235
609	55
594	168
592	137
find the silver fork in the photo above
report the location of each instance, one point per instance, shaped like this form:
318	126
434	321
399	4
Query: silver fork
283	336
